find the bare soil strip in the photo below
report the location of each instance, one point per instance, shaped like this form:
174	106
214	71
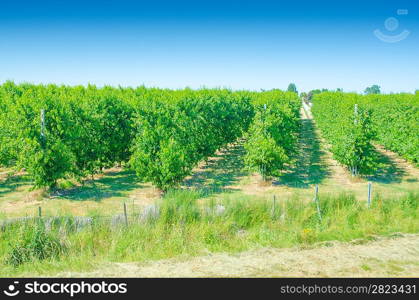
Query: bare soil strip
397	256
314	164
406	168
396	166
338	173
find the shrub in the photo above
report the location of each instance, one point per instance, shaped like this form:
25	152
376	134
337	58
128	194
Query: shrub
34	243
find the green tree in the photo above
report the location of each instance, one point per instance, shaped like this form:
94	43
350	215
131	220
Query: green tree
350	134
271	138
314	92
174	133
374	89
292	88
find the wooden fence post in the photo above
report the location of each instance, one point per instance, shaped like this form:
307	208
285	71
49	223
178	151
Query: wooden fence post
316	199
125	214
369	194
316	192
39	212
43	127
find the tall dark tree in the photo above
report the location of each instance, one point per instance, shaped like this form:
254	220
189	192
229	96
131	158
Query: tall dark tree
314	92
292	88
374	89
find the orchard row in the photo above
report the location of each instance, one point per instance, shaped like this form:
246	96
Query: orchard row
57	132
352	123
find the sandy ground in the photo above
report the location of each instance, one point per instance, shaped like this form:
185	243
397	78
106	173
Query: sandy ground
408	169
395	256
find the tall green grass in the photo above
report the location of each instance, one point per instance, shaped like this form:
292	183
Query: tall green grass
183	227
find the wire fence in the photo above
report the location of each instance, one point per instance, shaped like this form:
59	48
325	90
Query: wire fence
76	223
126	217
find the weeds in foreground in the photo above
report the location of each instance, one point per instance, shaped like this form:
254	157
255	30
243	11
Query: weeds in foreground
183	227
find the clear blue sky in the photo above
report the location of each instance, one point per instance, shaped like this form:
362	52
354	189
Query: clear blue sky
237	44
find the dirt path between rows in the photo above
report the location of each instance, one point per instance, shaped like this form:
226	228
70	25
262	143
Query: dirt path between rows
336	172
395	166
396	256
398	165
313	164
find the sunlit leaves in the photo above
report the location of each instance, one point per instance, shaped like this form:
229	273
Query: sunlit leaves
273	133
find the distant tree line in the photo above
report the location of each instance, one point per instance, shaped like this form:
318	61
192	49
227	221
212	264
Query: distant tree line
308	97
374	89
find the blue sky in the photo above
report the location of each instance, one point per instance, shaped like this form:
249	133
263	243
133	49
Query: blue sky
236	44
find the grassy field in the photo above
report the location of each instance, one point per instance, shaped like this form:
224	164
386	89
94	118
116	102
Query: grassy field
186	228
393	256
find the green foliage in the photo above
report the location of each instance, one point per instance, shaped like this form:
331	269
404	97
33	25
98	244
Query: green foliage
390	120
185	228
46	165
272	135
311	93
374	89
264	155
33	243
396	120
163	133
180	207
179	129
86	129
292	88
348	129
104	130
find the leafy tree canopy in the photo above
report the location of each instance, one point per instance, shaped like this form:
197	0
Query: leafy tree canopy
292	88
374	89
